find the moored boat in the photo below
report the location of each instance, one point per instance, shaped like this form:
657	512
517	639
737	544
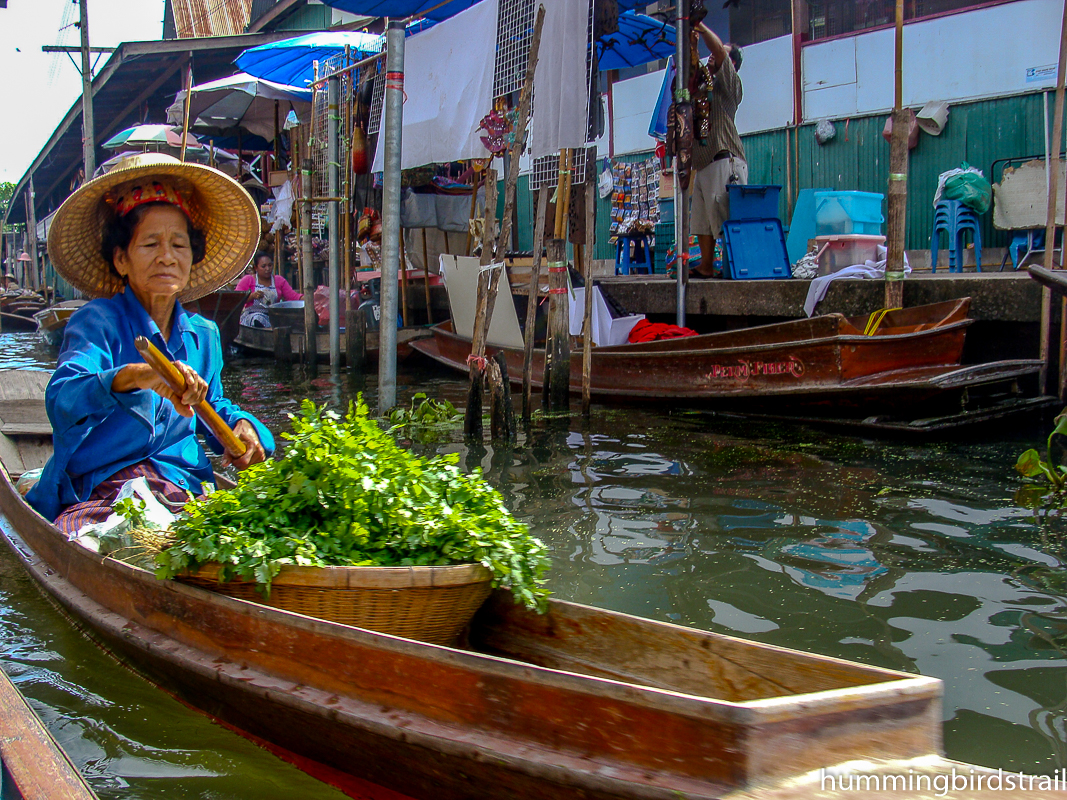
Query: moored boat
52	320
34	765
825	364
578	702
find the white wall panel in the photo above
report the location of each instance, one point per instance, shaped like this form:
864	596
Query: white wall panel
967	56
767	77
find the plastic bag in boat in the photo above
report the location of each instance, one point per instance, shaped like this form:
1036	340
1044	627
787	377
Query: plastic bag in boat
28	480
114	532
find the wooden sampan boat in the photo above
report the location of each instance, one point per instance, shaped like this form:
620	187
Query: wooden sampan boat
824	363
578	702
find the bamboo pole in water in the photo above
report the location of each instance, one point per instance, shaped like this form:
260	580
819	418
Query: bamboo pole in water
590	249
898	179
557	350
533	296
472	420
1050	219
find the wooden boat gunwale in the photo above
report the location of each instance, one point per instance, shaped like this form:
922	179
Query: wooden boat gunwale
495	713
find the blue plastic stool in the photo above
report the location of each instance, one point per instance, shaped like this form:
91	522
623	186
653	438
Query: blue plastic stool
633	255
955	219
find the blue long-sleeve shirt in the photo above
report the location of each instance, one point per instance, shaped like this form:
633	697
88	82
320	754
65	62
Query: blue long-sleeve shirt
97	432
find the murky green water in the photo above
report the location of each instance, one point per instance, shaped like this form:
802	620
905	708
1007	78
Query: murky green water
909	556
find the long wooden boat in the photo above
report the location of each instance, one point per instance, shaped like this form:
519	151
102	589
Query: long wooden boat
575	703
826	363
53	320
34	765
17	322
263	341
223	307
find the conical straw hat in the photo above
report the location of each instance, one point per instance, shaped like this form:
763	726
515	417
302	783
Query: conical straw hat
217	205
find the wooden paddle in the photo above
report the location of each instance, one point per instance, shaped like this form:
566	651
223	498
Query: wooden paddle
170	375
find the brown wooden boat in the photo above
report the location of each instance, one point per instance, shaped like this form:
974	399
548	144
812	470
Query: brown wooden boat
576	703
53	320
31	759
825	363
223	307
263	341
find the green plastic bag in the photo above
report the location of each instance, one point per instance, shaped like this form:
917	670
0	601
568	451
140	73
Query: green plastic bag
971	188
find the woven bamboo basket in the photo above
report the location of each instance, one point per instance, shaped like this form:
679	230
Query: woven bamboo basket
430	604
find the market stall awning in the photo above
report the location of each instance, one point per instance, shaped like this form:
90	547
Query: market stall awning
639	40
291	61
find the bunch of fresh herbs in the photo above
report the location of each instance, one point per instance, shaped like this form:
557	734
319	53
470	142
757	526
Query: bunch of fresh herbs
346	494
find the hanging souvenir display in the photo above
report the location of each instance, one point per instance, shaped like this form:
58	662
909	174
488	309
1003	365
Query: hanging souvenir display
635	201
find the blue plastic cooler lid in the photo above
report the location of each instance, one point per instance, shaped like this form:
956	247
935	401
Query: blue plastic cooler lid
755	249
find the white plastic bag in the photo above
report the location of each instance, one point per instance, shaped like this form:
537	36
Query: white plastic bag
606	183
281	210
113	533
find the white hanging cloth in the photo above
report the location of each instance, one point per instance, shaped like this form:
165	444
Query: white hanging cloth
561	92
448	77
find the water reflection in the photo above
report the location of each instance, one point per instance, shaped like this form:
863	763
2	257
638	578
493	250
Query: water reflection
909	556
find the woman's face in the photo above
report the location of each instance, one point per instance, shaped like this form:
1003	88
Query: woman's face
159	258
264	267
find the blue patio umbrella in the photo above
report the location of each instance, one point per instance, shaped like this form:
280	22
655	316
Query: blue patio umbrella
291	61
640	39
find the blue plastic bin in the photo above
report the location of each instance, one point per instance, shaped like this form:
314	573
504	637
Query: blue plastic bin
755	249
843	213
753	202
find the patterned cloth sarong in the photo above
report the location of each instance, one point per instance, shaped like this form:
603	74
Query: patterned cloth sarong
99	505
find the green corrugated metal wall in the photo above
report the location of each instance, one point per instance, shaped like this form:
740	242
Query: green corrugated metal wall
858	159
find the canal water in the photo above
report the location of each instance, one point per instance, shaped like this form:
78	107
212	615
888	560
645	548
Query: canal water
914	556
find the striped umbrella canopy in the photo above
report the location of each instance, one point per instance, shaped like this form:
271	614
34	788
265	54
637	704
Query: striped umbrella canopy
146	135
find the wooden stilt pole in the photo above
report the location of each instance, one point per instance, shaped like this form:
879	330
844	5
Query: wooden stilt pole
474	210
590	250
405	311
493	246
472	420
533	297
558	348
1050	219
426	276
898	180
311	322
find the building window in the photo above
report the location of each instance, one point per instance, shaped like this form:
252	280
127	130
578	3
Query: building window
754	21
837	17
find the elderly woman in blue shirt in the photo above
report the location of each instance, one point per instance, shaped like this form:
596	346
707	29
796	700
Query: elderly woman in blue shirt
142	238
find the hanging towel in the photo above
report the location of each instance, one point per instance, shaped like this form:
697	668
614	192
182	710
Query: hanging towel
870	269
448	78
561	97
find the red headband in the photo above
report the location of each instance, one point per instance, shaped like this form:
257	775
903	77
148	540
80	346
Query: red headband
150	192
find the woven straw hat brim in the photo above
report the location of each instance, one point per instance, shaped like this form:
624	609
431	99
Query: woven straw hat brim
217	204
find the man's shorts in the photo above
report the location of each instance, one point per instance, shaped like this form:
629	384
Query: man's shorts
711	200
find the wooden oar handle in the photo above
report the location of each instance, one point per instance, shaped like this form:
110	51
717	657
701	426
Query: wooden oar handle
170	375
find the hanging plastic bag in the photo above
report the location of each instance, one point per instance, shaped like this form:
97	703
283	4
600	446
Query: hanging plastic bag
970	187
606	184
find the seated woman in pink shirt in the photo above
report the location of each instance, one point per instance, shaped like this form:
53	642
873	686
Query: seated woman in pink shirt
266	289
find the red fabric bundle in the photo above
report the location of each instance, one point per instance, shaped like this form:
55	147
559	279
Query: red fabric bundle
645	331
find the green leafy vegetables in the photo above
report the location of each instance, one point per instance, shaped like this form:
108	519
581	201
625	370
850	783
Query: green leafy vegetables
346	494
1054	470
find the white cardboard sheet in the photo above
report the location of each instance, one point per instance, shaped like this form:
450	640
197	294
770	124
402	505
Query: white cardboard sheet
460	275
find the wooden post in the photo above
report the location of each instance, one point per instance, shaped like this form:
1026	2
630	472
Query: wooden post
311	322
472	420
185	120
426	278
283	344
590	251
31	228
1050	219
533	296
474	210
898	180
557	350
356	339
487	301
405	312
502	413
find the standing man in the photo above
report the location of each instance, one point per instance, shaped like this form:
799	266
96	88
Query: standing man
720	159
